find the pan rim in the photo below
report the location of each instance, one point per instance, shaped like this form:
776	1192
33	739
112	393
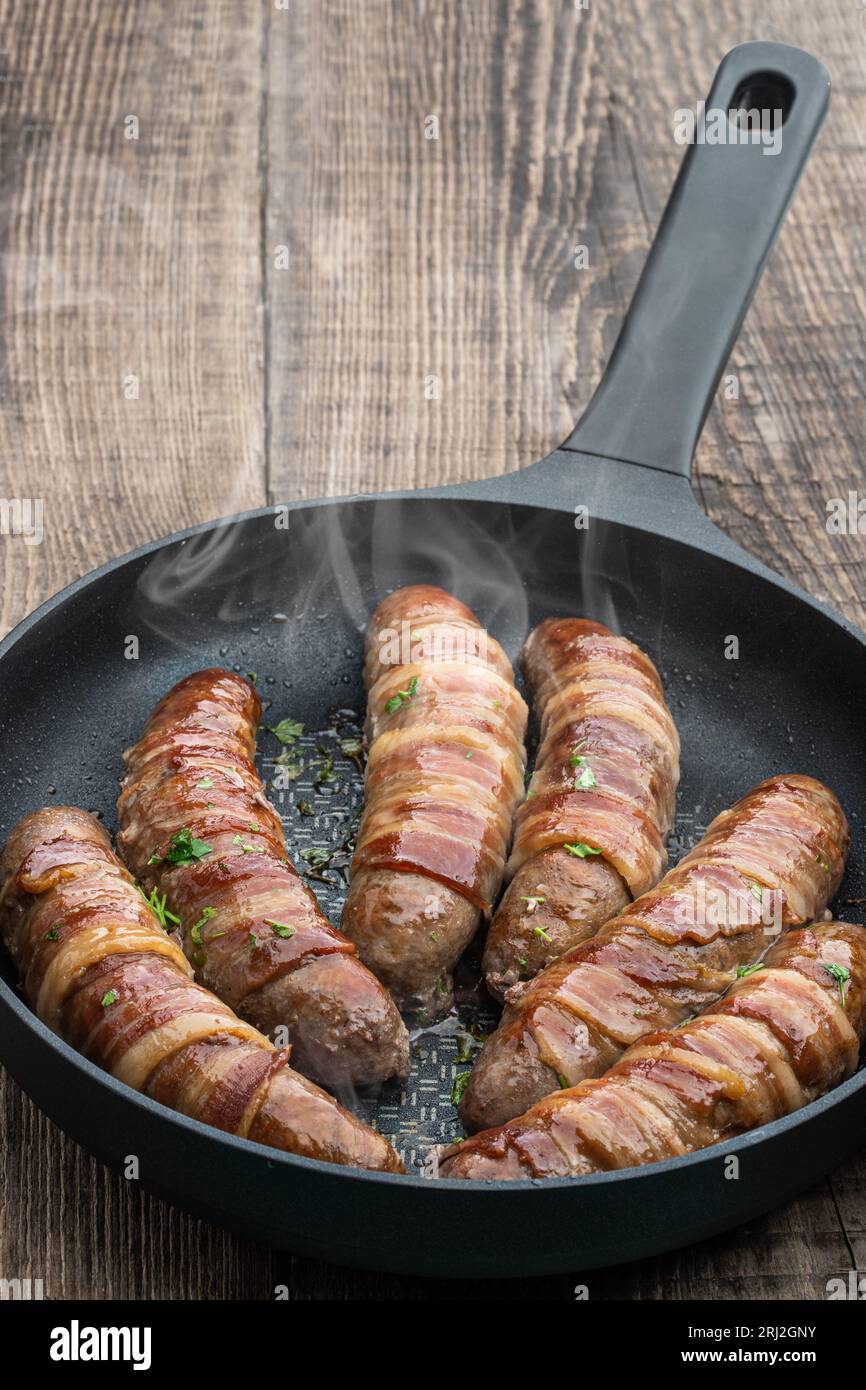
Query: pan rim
9	998
739	559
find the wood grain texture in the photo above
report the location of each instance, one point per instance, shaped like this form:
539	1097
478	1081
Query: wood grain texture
319	299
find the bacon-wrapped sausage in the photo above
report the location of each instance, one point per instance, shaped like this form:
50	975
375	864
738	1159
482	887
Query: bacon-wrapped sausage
781	1037
197	826
98	968
445	728
773	861
603	789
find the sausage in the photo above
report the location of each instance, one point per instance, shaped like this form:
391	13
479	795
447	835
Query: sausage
445	727
197	827
773	861
99	969
605	783
780	1037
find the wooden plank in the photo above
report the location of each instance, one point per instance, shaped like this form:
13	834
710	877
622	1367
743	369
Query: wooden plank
127	258
123	257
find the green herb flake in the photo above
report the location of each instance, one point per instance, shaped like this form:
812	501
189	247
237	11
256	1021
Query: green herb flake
756	891
585	779
242	845
166	919
541	934
305	809
184	848
316	857
292	769
280	928
325	765
581	851
745	970
563	1082
461	1081
841	974
253	940
532	900
53	934
195	930
287	730
205	784
109	998
396	701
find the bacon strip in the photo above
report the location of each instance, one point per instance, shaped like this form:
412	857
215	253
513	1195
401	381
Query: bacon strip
778	1039
250	925
773	861
100	971
445	729
605	783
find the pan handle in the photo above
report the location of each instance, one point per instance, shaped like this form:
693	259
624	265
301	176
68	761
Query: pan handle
716	232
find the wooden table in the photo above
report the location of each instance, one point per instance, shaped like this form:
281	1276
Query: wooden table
232	254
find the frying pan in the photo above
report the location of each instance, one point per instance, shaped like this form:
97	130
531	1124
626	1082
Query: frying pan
605	526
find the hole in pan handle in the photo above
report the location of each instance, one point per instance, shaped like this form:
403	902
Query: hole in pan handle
763	113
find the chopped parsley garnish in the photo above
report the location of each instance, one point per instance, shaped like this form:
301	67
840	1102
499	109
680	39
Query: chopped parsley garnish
292	769
195	931
841	974
183	848
584	778
166	919
461	1081
305	809
532	900
563	1082
252	677
242	845
205	784
316	857
109	998
325	765
744	970
440	987
580	850
756	891
52	934
395	702
541	934
353	748
280	928
287	730
253	940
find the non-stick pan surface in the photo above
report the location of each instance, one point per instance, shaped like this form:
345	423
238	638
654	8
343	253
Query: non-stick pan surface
285	594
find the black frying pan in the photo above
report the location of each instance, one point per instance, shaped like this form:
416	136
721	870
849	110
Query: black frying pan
290	603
